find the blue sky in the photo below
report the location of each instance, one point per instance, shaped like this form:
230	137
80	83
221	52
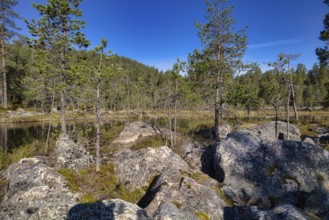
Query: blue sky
156	32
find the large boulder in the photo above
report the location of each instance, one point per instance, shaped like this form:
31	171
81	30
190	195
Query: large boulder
198	156
267	131
167	177
19	113
113	209
190	197
71	155
134	130
137	168
262	170
35	191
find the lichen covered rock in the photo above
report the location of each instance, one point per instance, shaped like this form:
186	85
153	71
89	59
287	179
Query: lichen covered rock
133	130
71	155
262	170
35	191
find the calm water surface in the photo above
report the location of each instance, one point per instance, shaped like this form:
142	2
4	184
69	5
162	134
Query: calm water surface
13	135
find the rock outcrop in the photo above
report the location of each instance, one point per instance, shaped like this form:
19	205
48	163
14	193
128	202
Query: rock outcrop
267	131
71	155
262	171
19	113
35	191
133	130
138	168
261	178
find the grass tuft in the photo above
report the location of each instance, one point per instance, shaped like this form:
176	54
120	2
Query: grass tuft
202	215
99	186
150	141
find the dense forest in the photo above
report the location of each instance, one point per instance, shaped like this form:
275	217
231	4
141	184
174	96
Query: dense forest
54	67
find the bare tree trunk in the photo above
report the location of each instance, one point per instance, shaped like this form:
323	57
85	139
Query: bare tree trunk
50	122
293	98
276	116
175	114
4	74
287	109
216	134
63	106
98	132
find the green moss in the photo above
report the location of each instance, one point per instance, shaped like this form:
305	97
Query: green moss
28	150
100	185
202	215
87	198
306	129
188	185
72	178
271	170
151	141
224	197
199	177
320	177
178	204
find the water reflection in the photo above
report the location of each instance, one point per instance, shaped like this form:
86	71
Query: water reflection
16	134
13	135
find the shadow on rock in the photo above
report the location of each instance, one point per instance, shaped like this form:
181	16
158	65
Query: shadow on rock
151	192
207	161
107	210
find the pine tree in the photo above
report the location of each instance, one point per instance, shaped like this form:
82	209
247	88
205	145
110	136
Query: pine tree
323	53
8	30
98	75
57	31
223	48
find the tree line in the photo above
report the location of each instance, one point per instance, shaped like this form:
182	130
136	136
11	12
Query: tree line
54	67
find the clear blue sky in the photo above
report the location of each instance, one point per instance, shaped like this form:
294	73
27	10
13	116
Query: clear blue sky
156	32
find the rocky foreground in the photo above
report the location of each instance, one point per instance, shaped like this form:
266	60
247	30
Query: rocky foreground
249	175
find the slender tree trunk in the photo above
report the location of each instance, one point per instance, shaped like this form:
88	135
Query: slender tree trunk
276	116
98	132
216	134
50	122
169	117
175	114
287	109
4	74
292	90
98	113
63	97
293	98
63	106
217	103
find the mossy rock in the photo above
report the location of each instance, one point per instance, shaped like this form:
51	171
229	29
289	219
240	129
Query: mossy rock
100	185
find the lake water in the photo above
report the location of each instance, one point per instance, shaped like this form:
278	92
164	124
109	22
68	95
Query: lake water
13	135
